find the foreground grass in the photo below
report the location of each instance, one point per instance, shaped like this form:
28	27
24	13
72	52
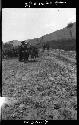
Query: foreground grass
45	89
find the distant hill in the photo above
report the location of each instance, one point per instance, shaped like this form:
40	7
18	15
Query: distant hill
58	39
61	34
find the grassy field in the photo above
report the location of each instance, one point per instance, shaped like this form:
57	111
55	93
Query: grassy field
45	89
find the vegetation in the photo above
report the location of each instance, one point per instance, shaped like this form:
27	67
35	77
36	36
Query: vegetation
42	90
9	51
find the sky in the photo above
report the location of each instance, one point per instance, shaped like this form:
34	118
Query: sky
28	23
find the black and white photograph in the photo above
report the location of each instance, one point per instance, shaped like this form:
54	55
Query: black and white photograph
39	66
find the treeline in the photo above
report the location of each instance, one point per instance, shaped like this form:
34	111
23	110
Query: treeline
66	44
10	51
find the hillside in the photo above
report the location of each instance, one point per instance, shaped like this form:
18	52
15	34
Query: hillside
60	39
61	34
57	40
